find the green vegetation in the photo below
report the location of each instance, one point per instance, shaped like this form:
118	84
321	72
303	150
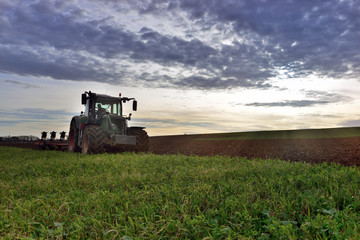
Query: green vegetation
48	194
288	134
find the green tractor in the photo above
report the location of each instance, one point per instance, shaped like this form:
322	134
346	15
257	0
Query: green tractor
103	127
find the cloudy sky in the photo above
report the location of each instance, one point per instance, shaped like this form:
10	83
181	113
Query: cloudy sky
195	66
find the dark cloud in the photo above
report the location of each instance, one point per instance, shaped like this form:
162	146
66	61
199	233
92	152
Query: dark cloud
168	50
48	42
318	98
293	103
42	24
21	84
59	39
316	115
15	123
9	123
351	123
301	36
166	123
331	97
200	82
73	66
36	114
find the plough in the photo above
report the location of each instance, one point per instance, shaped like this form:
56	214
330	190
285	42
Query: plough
52	144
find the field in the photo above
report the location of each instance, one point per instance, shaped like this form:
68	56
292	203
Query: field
53	194
339	145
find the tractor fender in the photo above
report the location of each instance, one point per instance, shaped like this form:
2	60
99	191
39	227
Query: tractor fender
136	127
74	135
80	121
133	128
77	120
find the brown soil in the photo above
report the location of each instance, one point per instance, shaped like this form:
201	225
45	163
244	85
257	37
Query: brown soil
345	151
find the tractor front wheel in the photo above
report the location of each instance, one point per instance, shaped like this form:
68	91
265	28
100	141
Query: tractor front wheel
93	139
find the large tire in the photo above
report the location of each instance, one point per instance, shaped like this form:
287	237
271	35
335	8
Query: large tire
94	139
73	138
142	140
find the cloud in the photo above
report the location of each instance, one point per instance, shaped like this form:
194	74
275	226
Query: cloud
328	96
302	37
21	84
351	123
35	114
318	98
182	126
10	123
223	45
200	82
292	103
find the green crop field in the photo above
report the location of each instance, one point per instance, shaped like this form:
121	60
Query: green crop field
58	195
288	134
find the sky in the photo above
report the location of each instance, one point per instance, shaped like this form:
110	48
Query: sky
194	66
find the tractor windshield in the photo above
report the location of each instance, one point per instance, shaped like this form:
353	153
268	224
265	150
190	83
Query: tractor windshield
108	105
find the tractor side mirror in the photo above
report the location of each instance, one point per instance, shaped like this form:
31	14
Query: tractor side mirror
83	99
134	105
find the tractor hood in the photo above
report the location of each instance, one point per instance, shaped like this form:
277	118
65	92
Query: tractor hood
114	124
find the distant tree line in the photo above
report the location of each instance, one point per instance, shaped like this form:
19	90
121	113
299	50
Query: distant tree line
25	138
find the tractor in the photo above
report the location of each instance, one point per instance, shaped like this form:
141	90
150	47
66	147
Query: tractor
103	127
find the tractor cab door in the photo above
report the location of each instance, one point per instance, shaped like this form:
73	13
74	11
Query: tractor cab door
87	108
90	110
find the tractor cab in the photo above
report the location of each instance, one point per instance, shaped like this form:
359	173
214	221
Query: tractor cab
98	105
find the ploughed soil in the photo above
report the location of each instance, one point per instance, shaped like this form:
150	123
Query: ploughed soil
345	151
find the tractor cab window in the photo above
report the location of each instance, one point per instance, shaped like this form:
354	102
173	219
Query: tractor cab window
115	109
102	108
110	106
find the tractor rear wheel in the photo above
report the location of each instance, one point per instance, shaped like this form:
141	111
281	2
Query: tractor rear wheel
142	140
73	138
93	139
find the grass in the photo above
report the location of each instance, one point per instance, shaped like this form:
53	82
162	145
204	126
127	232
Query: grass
288	134
58	195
